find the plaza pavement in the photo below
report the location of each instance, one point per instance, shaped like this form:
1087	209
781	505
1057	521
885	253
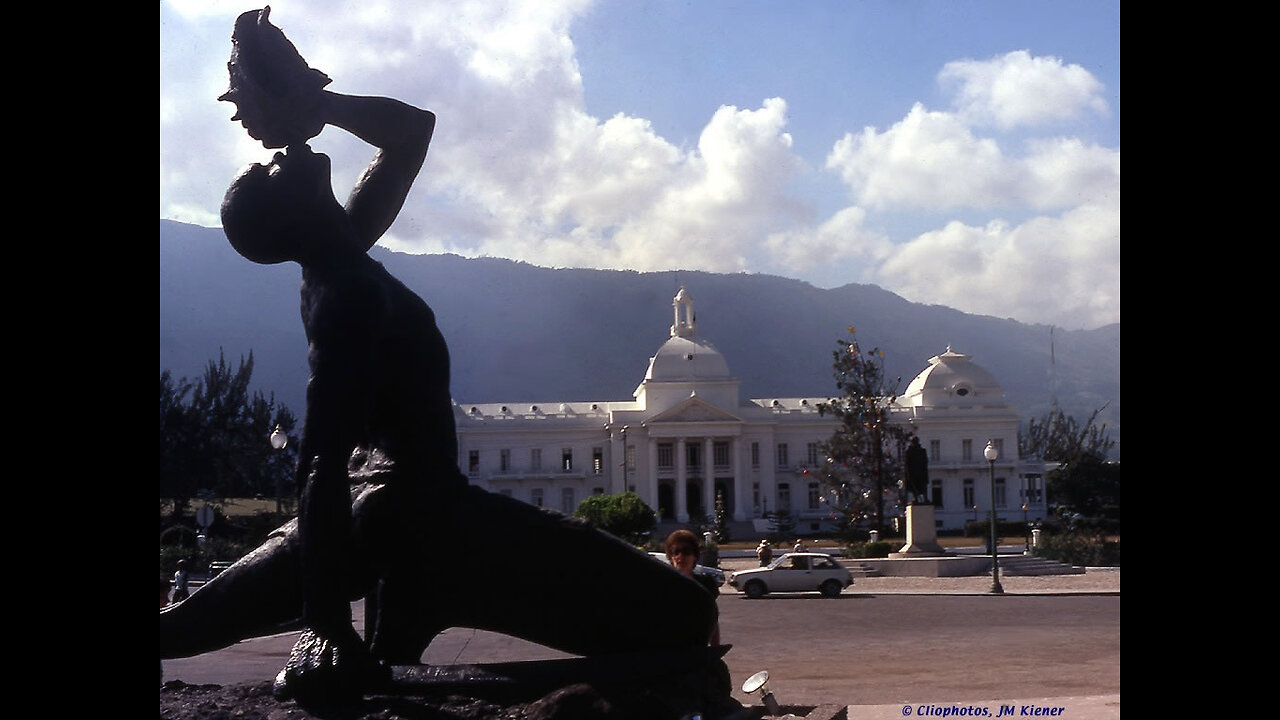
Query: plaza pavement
260	658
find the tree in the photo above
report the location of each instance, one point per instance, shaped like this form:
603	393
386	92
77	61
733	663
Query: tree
722	519
213	436
860	454
1084	482
625	516
1057	437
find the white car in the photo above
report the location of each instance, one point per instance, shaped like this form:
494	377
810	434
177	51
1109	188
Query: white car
716	574
795	572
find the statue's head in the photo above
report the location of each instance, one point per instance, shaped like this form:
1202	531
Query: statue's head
285	210
271	83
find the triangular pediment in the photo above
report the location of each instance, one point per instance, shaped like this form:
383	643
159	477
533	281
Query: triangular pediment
694	409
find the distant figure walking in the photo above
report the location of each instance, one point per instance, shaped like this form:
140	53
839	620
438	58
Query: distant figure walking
799	546
181	583
764	553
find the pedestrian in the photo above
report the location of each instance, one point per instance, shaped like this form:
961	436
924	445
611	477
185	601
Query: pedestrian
799	546
181	581
764	553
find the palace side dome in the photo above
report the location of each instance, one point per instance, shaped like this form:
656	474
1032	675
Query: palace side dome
952	378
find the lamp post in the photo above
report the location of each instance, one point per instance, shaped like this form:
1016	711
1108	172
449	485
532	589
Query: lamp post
625	428
1026	531
991	454
278	440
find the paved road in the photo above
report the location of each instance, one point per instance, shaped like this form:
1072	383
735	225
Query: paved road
885	644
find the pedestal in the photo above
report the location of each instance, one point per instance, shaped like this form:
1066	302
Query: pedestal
922	533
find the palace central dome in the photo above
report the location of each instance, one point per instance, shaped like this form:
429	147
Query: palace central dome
684	358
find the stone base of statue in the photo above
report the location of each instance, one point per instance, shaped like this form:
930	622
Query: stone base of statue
922	533
655	685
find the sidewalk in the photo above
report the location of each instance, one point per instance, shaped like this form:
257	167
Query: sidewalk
1094	581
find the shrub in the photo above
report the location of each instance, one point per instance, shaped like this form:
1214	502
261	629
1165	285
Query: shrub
1079	549
878	549
625	515
228	539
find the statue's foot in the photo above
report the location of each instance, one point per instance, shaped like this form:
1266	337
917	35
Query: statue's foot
324	671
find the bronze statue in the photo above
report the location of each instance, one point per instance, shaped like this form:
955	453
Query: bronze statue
381	491
917	473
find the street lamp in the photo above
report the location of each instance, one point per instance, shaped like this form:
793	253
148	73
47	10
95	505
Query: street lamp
1026	530
278	440
625	428
990	453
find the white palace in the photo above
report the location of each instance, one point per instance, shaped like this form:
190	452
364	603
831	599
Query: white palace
687	435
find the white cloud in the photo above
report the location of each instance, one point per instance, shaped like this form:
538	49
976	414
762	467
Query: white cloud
926	160
704	209
1017	89
845	236
932	160
1063	270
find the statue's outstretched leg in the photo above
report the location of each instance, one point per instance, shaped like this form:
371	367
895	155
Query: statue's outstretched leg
429	561
503	565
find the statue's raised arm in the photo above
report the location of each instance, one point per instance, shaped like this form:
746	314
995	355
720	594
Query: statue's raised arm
282	102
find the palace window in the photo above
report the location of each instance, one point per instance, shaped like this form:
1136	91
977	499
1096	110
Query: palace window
721	450
666	456
1033	488
535	459
811	454
755	454
504	460
935	451
1001	497
782	455
566	460
968	493
567	504
936	487
473	462
597	460
966	450
815	498
535	496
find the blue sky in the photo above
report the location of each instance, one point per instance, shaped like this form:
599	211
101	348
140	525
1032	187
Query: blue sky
958	153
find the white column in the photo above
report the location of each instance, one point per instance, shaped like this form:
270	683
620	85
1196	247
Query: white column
769	474
650	474
708	477
682	481
612	471
737	465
